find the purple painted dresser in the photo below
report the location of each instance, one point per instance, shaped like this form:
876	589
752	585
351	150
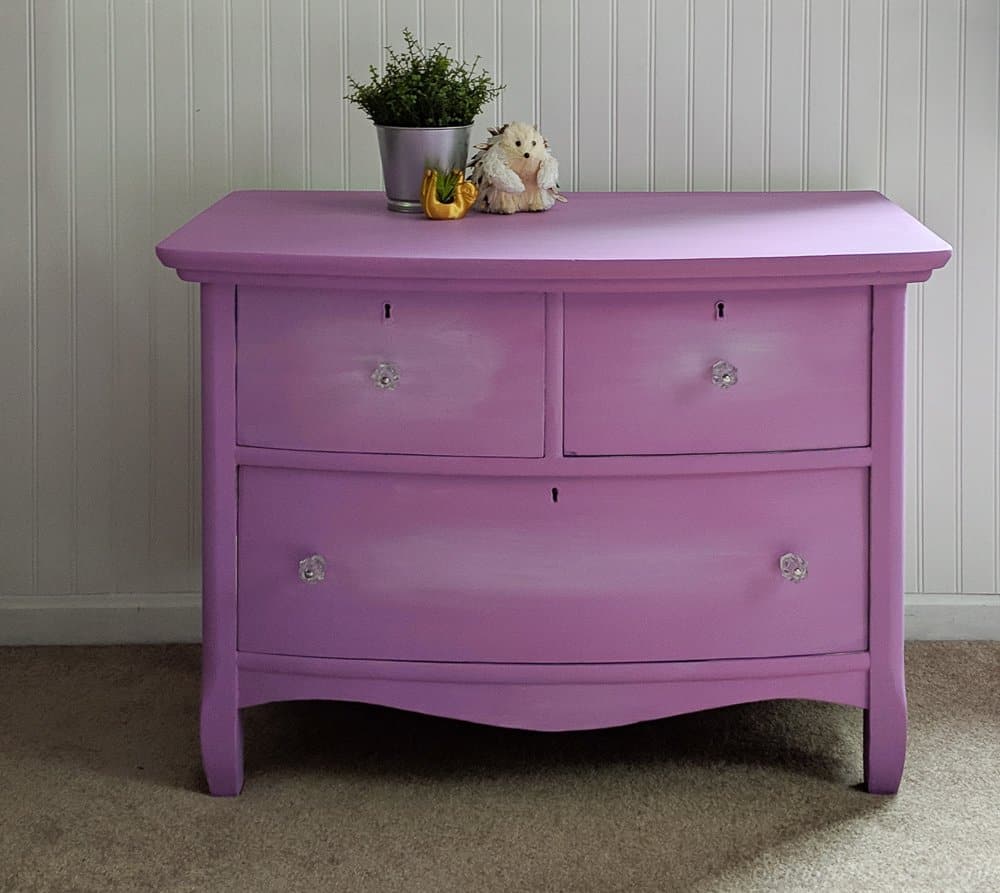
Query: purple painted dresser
636	456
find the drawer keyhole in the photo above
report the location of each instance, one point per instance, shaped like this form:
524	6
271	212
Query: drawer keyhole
388	311
720	309
555	494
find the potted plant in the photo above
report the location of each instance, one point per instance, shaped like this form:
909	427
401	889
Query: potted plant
423	106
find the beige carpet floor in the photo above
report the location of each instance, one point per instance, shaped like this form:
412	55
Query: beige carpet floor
101	790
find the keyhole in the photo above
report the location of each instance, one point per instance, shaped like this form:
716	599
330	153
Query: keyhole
388	311
555	494
720	310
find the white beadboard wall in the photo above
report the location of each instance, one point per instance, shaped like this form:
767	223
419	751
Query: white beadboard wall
122	118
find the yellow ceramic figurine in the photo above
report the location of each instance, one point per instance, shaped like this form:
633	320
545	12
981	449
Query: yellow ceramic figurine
446	196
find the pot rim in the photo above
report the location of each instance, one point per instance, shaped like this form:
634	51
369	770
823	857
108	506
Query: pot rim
400	127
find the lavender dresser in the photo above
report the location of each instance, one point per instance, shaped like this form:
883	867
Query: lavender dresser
636	456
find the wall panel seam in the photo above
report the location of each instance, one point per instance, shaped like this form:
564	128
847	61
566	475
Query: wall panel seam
959	261
919	456
613	99
190	288
71	240
766	129
227	89
306	94
806	87
266	83
651	97
996	336
845	81
33	280
883	89
689	98
345	119
113	250
151	382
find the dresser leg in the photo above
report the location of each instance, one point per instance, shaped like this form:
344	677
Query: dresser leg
885	745
222	745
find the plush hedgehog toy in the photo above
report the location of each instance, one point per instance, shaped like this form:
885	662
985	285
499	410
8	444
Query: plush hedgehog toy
514	171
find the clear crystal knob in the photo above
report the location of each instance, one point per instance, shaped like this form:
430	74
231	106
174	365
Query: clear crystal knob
793	567
385	376
724	374
312	569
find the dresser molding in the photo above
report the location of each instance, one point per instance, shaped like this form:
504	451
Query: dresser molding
739	635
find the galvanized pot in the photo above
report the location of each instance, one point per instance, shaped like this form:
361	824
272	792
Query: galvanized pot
408	151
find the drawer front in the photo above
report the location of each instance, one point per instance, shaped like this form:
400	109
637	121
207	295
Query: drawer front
639	372
457	376
493	569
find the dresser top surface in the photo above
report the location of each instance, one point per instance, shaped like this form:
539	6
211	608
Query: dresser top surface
593	234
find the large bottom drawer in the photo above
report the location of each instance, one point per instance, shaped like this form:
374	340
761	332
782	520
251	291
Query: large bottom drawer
513	570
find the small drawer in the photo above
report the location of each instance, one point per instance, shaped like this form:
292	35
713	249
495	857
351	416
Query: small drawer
367	372
704	373
404	567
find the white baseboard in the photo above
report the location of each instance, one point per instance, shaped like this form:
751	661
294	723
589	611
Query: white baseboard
133	618
952	616
104	619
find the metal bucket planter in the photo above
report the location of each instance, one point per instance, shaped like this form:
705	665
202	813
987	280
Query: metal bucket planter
408	151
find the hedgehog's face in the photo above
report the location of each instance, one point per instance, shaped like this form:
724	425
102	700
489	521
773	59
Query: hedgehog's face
525	146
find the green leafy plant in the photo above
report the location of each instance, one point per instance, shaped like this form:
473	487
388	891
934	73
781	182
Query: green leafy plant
424	88
445	185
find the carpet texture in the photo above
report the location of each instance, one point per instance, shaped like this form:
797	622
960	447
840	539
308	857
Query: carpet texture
101	790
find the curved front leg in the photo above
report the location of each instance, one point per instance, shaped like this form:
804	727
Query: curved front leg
885	717
885	740
221	731
221	735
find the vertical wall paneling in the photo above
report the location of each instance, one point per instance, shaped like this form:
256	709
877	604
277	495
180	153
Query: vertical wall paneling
517	56
825	121
557	111
248	120
56	312
942	201
397	15
979	239
286	89
633	80
747	102
595	131
365	42
94	350
864	72
788	91
441	24
124	118
709	113
170	380
326	59
480	37
901	145
17	300
132	233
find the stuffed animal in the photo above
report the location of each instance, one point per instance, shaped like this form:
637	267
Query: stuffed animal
514	171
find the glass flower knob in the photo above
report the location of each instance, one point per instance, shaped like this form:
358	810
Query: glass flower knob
724	374
793	567
385	376
312	569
